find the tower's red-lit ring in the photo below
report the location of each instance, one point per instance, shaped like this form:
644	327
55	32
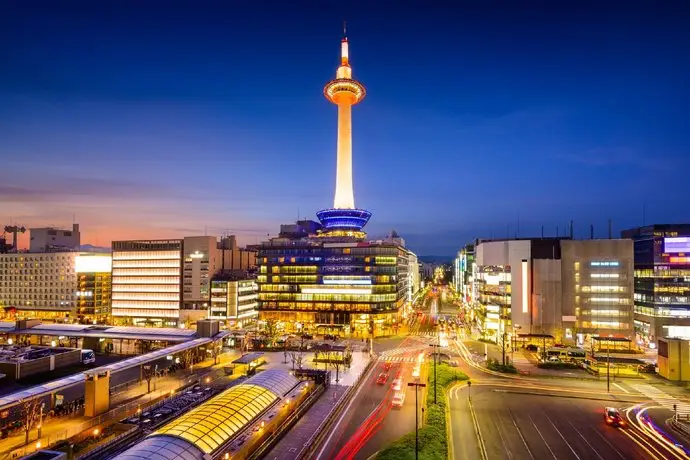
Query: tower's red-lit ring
345	88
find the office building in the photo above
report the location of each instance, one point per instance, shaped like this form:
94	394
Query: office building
570	290
146	282
167	283
93	288
234	301
353	288
55	286
662	281
49	239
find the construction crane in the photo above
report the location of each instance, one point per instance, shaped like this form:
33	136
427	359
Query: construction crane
14	230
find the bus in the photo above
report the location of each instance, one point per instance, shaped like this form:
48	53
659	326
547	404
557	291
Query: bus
88	356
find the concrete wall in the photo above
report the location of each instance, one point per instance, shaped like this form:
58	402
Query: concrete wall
674	359
546	297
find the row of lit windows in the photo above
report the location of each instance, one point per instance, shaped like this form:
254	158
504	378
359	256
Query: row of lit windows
663	312
330	297
355	308
146	263
604	325
146	296
147	280
146	288
595	313
145	313
145	271
601	288
146	255
119	304
663	272
607	300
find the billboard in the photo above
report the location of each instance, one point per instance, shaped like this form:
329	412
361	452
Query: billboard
676	245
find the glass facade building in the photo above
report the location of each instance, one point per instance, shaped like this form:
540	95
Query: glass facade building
338	287
662	281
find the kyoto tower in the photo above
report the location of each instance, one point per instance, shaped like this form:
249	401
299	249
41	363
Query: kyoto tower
344	91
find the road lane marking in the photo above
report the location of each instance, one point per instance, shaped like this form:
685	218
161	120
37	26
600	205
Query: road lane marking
542	437
585	440
607	442
478	431
562	437
621	387
517	428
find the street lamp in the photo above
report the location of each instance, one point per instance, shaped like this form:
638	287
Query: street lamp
416	416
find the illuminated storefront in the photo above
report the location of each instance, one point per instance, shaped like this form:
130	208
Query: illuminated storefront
93	288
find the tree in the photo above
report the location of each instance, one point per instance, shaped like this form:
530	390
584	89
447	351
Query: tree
216	349
148	375
31	410
271	330
336	364
188	359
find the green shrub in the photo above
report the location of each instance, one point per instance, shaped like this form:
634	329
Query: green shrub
433	442
494	365
549	365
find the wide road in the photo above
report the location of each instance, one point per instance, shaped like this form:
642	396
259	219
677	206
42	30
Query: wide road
509	422
370	422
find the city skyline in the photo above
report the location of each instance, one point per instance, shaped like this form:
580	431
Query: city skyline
142	125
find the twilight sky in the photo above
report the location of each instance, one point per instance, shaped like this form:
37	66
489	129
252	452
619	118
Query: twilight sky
162	120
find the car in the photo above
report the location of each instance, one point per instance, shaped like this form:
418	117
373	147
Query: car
387	365
613	417
382	379
397	384
647	368
398	399
532	347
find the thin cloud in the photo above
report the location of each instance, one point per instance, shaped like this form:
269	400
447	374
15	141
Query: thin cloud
619	156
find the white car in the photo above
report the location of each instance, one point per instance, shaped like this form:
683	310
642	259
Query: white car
398	399
397	384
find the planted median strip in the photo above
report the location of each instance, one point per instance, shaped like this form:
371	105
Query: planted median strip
433	442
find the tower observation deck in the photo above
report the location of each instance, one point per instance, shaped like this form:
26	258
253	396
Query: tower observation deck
344	91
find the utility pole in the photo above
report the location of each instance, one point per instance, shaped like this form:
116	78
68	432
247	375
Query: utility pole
416	416
436	346
608	367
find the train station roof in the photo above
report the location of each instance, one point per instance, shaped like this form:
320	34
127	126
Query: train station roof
167	334
204	430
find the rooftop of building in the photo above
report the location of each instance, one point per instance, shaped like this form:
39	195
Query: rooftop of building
100	331
202	431
18	354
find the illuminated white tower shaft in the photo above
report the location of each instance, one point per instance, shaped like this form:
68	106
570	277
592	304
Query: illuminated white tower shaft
344	92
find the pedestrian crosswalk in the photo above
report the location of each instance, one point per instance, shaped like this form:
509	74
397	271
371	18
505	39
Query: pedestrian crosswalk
424	333
402	350
398	359
663	399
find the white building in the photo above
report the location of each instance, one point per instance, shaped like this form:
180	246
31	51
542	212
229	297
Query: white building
146	282
234	301
54	239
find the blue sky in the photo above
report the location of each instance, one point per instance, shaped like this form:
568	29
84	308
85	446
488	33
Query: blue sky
171	118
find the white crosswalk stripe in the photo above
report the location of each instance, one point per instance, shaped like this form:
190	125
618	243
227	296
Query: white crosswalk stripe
663	399
398	359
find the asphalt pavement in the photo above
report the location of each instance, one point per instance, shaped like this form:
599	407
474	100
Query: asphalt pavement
521	426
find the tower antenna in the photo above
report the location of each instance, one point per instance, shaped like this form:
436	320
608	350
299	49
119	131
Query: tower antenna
344	29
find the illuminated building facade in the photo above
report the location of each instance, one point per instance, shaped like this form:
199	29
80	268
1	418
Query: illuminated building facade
462	273
94	283
349	288
54	286
234	301
146	282
662	281
598	286
554	286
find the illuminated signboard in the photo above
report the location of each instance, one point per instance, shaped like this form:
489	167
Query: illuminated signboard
677	244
